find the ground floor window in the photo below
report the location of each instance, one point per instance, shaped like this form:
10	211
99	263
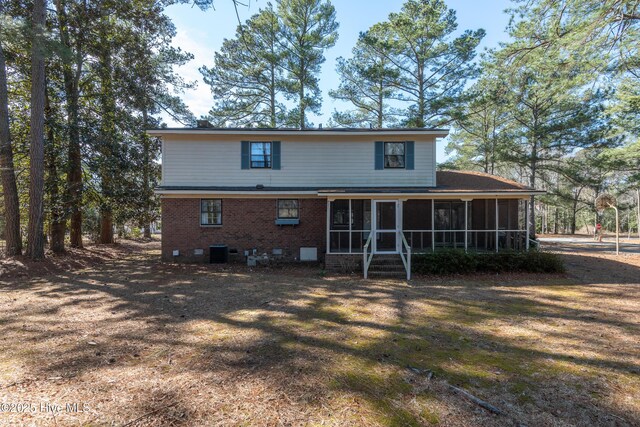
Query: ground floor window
288	209
211	212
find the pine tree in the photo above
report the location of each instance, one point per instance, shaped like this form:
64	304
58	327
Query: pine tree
309	27
247	77
366	81
35	246
433	65
9	186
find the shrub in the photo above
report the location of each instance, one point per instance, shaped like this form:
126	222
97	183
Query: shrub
459	262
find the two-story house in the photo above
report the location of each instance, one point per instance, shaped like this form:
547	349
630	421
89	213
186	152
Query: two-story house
332	195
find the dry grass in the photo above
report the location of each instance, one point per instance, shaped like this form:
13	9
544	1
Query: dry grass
135	339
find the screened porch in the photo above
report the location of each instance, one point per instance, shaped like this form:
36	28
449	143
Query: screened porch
494	224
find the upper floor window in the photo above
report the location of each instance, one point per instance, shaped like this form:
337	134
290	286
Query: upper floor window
394	155
211	212
261	154
288	209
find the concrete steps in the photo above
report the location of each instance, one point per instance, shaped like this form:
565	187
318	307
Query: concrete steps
387	266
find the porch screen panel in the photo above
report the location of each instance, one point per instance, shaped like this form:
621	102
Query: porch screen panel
449	224
339	226
482	236
361	225
510	235
416	223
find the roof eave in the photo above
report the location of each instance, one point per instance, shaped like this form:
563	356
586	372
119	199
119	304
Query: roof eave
205	131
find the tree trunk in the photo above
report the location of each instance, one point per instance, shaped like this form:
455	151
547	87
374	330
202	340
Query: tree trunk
9	186
532	209
574	214
35	247
106	226
107	132
57	224
302	105
147	192
380	105
420	122
71	77
638	194
272	98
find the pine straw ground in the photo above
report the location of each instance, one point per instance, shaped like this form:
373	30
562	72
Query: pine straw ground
149	344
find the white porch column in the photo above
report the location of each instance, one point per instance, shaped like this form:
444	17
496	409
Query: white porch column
526	208
328	226
433	225
497	228
350	227
466	224
400	223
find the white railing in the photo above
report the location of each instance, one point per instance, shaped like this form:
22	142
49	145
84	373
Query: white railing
406	260
491	239
366	259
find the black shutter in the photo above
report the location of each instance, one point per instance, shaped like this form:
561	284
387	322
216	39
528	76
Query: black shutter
275	155
410	155
245	156
379	155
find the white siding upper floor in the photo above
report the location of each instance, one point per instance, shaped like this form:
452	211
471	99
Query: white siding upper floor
307	160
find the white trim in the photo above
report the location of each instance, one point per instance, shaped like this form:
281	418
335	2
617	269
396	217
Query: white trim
452	195
527	225
328	250
374	226
350	225
335	196
466	225
245	194
162	162
434	154
497	226
433	225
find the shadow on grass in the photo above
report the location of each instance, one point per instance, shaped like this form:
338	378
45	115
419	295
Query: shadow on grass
540	350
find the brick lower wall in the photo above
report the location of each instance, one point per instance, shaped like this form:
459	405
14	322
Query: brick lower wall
247	224
343	263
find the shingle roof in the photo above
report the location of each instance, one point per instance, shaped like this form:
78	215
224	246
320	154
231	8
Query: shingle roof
476	181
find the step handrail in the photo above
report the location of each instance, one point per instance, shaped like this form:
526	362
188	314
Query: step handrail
366	260
406	261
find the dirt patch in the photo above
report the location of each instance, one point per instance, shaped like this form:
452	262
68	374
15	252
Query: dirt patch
152	344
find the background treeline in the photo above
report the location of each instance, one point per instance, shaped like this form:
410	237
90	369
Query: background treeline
80	81
557	107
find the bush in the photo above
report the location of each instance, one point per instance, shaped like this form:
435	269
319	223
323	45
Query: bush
460	262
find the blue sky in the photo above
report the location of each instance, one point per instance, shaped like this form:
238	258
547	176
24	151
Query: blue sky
202	32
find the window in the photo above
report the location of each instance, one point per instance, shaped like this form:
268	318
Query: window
261	155
211	212
288	209
393	155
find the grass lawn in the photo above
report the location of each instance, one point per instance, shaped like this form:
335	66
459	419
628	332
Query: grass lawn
145	343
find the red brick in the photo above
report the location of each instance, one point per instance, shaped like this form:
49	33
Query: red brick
247	224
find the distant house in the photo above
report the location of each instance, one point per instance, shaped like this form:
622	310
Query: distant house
332	195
